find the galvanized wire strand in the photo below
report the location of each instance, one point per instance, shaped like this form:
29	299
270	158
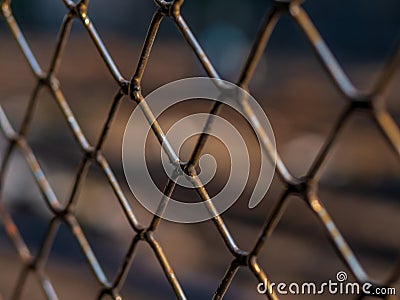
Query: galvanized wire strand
339	243
81	11
87	250
388	72
323	52
304	188
17	34
15	236
262	277
226	280
61	43
389	129
270	223
333	135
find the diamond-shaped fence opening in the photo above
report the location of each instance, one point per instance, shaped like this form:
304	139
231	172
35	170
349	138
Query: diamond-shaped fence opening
64	208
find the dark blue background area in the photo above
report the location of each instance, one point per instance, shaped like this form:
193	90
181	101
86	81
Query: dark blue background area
355	29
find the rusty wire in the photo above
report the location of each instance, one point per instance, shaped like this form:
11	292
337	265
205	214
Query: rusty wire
305	187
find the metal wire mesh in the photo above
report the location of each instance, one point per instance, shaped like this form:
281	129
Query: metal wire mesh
306	187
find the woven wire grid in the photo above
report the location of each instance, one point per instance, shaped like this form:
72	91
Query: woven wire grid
305	187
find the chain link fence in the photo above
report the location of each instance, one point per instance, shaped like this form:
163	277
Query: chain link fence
372	102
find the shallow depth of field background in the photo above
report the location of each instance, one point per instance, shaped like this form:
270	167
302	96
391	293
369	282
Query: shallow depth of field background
360	184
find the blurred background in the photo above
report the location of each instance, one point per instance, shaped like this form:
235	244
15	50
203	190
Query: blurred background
359	183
